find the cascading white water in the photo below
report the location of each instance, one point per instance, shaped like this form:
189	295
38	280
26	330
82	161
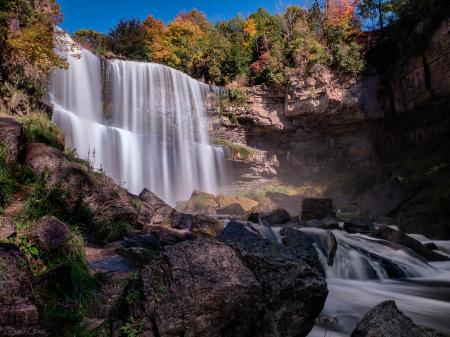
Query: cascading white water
144	124
367	271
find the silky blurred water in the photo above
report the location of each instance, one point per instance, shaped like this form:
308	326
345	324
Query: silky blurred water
144	124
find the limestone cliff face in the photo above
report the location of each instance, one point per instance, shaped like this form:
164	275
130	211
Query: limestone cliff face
322	122
326	124
327	120
425	76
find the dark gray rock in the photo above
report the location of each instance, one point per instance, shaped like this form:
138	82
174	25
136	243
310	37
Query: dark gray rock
314	223
363	226
274	217
392	235
201	288
303	243
294	288
316	208
49	233
385	320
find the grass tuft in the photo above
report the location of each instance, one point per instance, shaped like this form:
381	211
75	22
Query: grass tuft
38	128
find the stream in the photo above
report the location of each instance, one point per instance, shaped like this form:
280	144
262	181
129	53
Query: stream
367	271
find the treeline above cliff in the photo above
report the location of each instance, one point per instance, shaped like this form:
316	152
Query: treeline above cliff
255	49
262	47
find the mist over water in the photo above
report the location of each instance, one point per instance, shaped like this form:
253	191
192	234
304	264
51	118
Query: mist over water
144	124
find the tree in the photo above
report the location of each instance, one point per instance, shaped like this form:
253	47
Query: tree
179	43
28	45
92	40
379	11
128	39
197	18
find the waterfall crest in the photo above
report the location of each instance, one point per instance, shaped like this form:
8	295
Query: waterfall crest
144	124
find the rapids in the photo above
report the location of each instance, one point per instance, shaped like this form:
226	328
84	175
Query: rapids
143	124
367	271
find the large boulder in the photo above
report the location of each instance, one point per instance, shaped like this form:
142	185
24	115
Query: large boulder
49	233
385	320
153	211
296	239
316	208
201	288
19	316
294	288
201	202
386	233
10	136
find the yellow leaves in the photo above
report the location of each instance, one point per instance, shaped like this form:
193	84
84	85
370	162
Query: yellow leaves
250	27
32	47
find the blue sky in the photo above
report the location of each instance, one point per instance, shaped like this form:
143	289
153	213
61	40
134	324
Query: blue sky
102	15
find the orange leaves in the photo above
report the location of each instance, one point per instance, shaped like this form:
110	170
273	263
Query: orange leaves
153	27
340	13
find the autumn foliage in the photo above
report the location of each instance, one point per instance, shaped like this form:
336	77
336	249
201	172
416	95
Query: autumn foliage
340	13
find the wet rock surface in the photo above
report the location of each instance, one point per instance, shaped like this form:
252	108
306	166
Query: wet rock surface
392	235
294	288
385	320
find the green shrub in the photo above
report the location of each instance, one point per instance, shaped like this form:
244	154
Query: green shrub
102	231
7	182
133	327
38	128
349	59
46	199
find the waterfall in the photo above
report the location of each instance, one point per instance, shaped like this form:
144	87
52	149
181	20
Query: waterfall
143	124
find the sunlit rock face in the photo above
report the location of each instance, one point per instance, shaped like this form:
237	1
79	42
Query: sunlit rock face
144	124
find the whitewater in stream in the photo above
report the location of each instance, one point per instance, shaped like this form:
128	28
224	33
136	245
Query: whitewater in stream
367	271
143	124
